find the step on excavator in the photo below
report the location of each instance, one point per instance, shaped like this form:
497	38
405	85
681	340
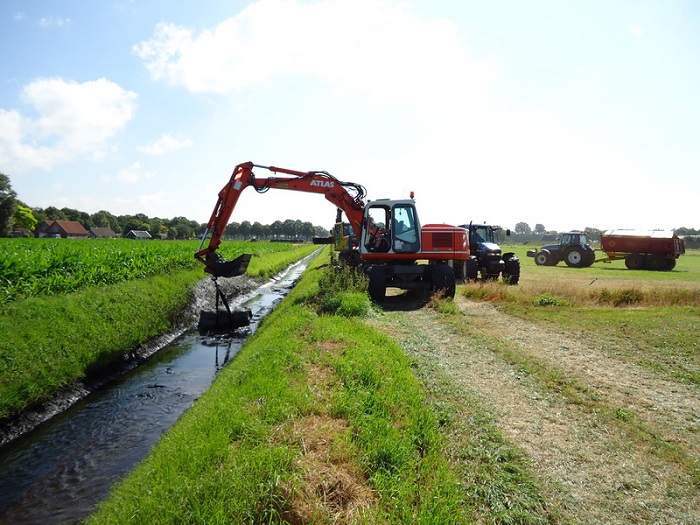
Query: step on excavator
384	239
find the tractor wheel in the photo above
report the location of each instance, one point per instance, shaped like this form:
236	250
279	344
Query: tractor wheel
472	269
544	259
442	279
511	271
656	263
589	258
575	258
376	288
670	264
634	261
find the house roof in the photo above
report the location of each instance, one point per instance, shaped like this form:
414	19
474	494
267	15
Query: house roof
102	231
70	227
140	234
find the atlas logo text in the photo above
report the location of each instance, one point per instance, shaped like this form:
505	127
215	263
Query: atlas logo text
323	183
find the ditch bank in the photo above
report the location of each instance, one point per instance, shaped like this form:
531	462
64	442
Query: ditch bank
66	463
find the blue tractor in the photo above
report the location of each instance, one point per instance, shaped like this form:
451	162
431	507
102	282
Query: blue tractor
487	257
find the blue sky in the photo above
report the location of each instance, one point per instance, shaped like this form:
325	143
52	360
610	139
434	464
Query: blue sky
570	114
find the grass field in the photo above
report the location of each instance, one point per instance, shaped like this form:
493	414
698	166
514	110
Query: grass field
609	303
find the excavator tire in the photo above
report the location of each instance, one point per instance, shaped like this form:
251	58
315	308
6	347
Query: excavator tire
376	288
442	279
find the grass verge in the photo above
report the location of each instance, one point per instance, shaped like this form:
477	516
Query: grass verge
319	419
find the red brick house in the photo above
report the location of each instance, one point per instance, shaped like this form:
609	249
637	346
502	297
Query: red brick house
63	229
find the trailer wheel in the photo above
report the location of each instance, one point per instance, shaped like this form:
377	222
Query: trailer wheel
670	264
656	263
634	261
376	288
544	258
511	270
442	279
574	258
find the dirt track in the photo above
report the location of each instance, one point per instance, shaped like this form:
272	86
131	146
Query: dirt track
592	469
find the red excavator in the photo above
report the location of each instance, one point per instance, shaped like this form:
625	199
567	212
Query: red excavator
389	243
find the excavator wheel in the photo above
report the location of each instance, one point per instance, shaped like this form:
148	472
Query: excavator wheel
442	279
376	287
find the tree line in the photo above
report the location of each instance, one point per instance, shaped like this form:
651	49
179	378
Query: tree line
15	214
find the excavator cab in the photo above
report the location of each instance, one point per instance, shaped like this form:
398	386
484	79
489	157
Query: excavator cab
391	227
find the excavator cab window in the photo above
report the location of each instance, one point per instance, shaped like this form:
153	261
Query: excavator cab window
377	232
405	224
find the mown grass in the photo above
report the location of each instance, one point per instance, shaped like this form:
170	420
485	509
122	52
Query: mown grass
658	311
650	319
49	342
319	419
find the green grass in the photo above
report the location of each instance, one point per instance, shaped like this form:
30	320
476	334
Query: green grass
658	311
38	267
322	419
49	342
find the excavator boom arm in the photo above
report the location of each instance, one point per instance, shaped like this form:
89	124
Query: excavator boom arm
347	196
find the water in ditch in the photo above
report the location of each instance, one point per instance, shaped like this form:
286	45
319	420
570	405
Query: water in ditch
58	472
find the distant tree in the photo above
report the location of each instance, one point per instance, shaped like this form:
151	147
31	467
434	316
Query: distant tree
256	230
54	214
683	231
244	229
7	205
539	228
232	230
24	218
522	228
276	229
593	234
104	219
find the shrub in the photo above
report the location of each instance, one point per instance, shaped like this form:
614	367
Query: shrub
342	291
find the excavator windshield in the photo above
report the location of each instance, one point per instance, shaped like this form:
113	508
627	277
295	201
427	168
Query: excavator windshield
391	227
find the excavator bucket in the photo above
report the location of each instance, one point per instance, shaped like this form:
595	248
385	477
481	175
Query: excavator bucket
238	266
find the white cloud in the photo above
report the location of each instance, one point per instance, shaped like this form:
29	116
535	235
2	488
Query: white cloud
53	21
72	119
376	48
637	31
165	144
132	174
19	15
